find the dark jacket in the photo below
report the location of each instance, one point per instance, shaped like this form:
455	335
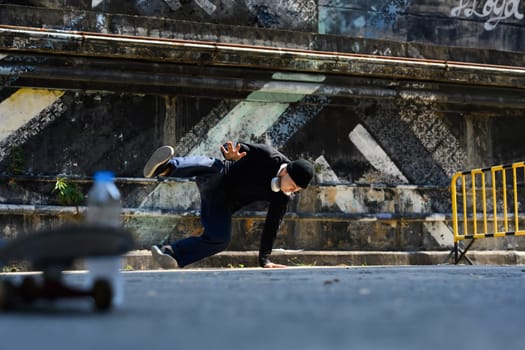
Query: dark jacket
248	180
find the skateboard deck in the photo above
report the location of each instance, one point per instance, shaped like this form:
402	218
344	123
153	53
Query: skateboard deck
55	250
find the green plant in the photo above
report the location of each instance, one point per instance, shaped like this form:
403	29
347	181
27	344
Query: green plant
294	261
231	266
68	193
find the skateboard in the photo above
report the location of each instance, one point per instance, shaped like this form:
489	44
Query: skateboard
55	250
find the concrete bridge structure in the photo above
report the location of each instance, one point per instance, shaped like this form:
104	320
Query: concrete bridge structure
389	98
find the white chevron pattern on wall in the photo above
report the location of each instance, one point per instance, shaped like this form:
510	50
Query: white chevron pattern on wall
254	116
378	158
19	109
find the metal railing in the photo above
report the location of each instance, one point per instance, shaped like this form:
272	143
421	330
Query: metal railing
486	203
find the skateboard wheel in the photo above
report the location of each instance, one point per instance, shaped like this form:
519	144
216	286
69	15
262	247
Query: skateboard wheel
102	293
7	295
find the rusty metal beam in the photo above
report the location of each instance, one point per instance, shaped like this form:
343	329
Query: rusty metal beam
204	54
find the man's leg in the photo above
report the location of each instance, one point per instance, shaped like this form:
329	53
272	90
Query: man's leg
215	239
163	163
215	215
216	219
194	166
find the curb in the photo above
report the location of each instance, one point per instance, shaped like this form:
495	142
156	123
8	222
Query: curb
142	260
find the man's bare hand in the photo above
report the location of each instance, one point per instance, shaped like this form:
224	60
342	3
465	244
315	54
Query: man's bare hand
232	153
272	265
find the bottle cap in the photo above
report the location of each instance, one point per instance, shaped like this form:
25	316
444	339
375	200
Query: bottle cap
104	176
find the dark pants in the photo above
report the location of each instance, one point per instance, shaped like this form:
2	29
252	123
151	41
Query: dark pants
216	217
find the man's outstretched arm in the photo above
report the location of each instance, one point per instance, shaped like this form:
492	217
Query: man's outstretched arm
271	225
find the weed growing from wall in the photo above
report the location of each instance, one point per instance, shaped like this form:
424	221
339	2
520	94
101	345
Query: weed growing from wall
17	161
68	193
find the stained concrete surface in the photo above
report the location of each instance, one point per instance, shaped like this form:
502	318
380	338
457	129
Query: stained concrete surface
431	307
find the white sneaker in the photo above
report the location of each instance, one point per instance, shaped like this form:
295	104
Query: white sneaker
164	260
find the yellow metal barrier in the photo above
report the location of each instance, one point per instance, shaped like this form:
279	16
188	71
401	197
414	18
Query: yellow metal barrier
486	203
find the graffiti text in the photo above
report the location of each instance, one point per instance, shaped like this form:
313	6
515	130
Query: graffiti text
493	10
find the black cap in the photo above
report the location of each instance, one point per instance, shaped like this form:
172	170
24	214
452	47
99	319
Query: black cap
301	171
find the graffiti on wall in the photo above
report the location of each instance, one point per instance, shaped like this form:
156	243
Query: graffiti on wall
492	10
14	68
296	14
452	22
174	5
388	13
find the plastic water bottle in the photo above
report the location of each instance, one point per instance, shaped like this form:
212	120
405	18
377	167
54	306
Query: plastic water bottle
104	206
104	209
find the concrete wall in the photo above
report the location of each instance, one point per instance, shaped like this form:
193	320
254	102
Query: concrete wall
487	24
323	217
484	24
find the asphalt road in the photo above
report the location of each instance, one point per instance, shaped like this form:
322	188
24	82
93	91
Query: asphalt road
430	307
